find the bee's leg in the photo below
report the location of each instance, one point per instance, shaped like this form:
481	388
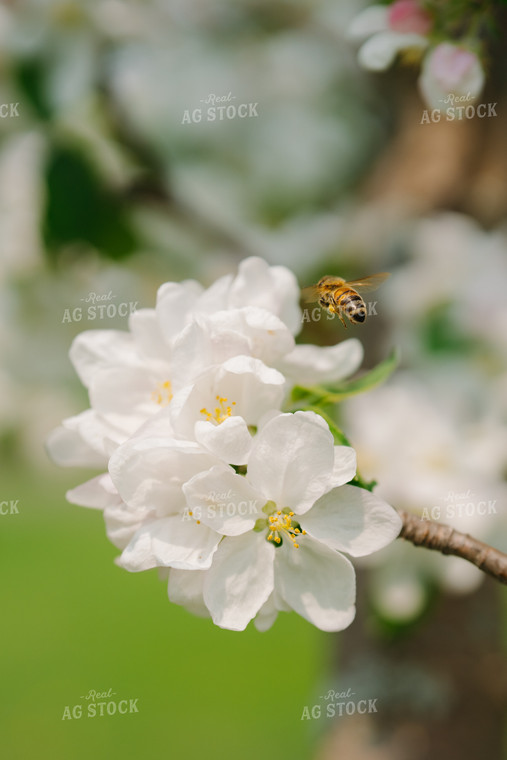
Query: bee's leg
340	317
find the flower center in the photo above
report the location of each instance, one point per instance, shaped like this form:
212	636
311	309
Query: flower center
163	393
281	524
221	412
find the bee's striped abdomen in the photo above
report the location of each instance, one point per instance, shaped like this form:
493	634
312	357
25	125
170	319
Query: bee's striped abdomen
349	301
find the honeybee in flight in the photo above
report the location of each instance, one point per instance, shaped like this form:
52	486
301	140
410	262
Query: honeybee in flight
340	297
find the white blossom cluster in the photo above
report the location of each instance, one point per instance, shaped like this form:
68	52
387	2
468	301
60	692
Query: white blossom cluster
243	506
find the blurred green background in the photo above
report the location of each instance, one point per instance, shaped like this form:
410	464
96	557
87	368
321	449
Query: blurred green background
72	623
104	187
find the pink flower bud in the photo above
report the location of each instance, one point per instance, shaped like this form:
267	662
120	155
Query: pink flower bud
450	64
450	70
407	17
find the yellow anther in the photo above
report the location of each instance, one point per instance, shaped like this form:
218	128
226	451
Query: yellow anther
279	524
163	393
220	413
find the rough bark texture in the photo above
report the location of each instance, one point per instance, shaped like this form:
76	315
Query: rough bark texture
443	538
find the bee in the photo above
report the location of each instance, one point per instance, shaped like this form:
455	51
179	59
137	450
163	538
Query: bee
340	297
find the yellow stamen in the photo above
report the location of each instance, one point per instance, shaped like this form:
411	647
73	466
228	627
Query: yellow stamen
221	411
280	524
163	393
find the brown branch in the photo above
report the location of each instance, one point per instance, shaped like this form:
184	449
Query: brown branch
443	538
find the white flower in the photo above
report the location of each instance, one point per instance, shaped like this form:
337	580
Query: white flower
300	518
146	503
451	72
391	29
148	474
218	409
273	288
133	376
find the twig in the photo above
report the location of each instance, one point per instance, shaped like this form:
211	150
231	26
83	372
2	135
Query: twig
443	538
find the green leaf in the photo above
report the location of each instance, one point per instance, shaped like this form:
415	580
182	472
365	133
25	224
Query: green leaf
368	380
339	436
318	395
361	483
80	208
30	75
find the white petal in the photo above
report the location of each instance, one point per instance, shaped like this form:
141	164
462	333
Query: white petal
255	387
345	465
269	335
92	350
158	426
230	441
97	493
195	349
266	336
174	303
124	395
148	336
68	449
292	460
215	297
150	472
379	52
240	580
185	588
371	20
310	365
123	522
170	542
318	583
266	615
352	520
273	288
224	500
96	432
249	387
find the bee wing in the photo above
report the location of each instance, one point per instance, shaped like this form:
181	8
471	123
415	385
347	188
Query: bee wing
310	294
368	283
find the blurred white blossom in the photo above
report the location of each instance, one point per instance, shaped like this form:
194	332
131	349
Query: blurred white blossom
434	457
391	29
